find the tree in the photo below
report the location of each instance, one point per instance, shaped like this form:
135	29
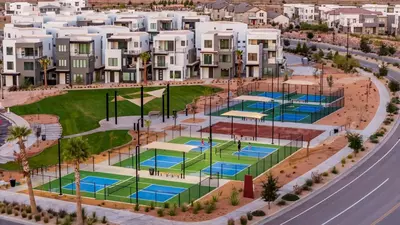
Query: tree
44	63
168	2
191	3
310	36
270	189
383	50
394	86
298	48
382	72
392	50
77	151
329	55
286	42
20	134
239	54
316	57
145	57
304	49
193	107
355	142
364	46
321	53
329	80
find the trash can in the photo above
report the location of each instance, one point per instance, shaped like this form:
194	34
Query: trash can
151	171
12	182
43	137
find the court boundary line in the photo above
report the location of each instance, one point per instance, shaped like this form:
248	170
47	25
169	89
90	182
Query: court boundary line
230	169
73	182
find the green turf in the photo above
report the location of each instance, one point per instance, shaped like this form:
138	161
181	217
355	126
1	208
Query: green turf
193	192
81	110
225	156
98	143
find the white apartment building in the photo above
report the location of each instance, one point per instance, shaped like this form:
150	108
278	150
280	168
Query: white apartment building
123	63
134	23
382	8
218	54
174	55
300	12
21	57
264	53
239	28
326	8
19	8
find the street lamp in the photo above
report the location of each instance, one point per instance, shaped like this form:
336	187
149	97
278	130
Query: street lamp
59	164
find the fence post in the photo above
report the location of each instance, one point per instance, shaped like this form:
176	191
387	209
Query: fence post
179	200
109	158
105	192
93	162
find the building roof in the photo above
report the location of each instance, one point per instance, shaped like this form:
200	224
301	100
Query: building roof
242	7
49	7
272	14
219	4
352	11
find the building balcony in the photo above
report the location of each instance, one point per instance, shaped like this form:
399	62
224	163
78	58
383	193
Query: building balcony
161	65
161	51
19	56
208	64
131	52
74	53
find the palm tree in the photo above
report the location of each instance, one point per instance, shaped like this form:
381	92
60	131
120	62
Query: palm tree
147	124
77	151
44	63
145	57
20	134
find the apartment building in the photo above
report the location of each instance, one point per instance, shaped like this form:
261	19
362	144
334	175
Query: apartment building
358	20
123	62
79	59
218	54
155	25
189	22
18	8
134	23
264	53
174	55
382	8
301	12
21	60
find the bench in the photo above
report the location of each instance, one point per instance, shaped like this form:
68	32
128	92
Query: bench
154	113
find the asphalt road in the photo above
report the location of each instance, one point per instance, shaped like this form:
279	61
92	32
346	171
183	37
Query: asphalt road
369	194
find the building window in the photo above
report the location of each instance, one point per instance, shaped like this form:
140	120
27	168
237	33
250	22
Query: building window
79	63
153	26
182	43
18	6
207	43
129	77
112	61
171	60
62	62
76	3
10	65
224	43
261	14
9	50
28	65
78	78
135	44
252	57
62	48
207	59
252	42
225	58
175	74
84	48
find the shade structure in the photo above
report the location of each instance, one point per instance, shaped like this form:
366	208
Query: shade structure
170	146
253	98
300	82
251	115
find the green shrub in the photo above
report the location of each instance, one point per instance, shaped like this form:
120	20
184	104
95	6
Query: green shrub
46	219
23	215
334	170
309	182
210	207
147	209
184	207
290	197
62	213
28	209
94	217
297	189
9	210
374	139
394	86
243	220
136	207
234	198
306	187
325	174
38	217
104	220
172	211
166	205
160	212
258	213
16	213
249	216
3	210
350	156
281	203
67	220
29	216
215	198
231	222
152	205
343	161
198	206
391	108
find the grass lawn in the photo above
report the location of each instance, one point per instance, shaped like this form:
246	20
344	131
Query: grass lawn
253	165
81	110
114	187
98	142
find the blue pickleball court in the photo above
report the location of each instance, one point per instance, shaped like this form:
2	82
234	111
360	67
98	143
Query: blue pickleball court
263	105
158	193
290	117
309	108
226	169
163	161
92	184
255	151
200	147
275	95
312	98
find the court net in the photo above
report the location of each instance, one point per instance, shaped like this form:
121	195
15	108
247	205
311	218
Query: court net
195	160
116	187
226	145
291	94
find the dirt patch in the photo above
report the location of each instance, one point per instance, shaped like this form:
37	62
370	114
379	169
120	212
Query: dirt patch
41	118
177	127
191	120
119	99
247	130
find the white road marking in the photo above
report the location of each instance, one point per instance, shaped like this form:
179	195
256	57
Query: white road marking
390	150
355	203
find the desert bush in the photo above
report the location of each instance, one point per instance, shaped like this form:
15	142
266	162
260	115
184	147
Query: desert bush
46	219
343	161
325	174
309	182
16	213
38	217
350	156
243	220
104	220
146	209
281	203
306	187
234	198
62	213
166	205
290	197
152	204
136	207
172	211
258	213
29	216
160	212
316	177
9	210
297	189
231	222
334	170
391	108
23	215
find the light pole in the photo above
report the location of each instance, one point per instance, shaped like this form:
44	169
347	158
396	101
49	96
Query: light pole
59	164
2	84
